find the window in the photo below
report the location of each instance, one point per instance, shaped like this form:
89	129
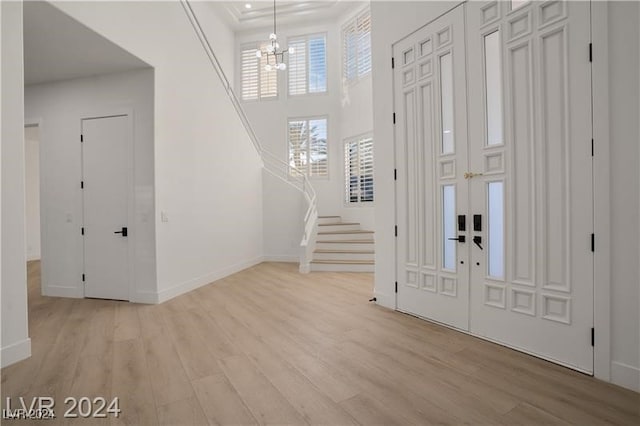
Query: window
356	47
257	83
308	65
308	151
358	170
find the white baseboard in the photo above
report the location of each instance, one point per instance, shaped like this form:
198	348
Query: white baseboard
15	352
625	375
285	259
31	257
62	291
146	297
175	291
388	301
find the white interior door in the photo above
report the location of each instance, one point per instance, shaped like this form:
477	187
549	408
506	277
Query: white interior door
105	168
431	151
530	136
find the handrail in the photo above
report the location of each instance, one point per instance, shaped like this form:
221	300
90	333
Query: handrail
271	163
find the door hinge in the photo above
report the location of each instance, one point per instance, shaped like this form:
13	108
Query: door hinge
592	150
393	63
81	184
82	277
396	230
593	336
82	230
395	174
590	52
81	138
396	286
593	242
394	118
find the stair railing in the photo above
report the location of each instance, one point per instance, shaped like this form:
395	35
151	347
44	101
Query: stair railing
271	163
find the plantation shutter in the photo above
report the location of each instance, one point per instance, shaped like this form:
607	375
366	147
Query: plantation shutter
298	67
349	47
298	132
364	44
318	165
250	74
268	79
358	160
317	64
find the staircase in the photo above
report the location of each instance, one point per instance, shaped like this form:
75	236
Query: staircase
342	246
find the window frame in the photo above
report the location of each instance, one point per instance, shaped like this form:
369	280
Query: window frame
353	22
359	139
307	167
255	46
306	38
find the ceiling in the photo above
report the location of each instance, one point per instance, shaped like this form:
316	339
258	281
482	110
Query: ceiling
57	47
260	15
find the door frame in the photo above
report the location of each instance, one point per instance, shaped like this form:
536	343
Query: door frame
107	112
601	197
601	185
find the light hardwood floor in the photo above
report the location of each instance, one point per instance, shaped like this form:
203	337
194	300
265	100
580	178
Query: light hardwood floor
268	345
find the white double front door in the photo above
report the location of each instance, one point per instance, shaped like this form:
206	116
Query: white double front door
494	175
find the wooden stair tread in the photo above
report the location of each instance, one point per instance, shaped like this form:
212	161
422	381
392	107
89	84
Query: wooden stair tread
345	251
344	262
358	231
369	241
327	217
338	223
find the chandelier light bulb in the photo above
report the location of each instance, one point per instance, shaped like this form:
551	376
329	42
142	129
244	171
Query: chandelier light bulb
282	66
258	53
273	36
267	67
277	45
291	50
270	49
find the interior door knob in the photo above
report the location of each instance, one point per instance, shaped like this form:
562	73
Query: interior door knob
478	241
123	232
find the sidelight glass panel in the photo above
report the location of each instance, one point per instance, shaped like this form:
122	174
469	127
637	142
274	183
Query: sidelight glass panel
496	229
446	103
493	88
449	227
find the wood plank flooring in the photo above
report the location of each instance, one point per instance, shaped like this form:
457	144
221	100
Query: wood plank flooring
271	346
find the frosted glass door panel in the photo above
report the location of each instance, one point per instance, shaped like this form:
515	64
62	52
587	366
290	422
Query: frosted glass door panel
446	99
493	87
449	227
496	229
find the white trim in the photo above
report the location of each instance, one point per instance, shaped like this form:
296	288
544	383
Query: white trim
146	297
625	375
284	259
601	190
63	291
385	300
195	283
15	352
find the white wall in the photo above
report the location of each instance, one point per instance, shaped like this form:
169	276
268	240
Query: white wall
32	188
349	114
60	107
393	20
16	344
624	96
208	178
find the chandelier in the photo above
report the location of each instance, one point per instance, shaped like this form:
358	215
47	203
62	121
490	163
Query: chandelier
273	54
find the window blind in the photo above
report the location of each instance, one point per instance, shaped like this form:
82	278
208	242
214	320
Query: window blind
356	47
358	160
257	83
308	151
308	65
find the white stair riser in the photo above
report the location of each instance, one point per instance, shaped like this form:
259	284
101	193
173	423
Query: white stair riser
333	228
329	220
344	256
337	267
346	236
345	246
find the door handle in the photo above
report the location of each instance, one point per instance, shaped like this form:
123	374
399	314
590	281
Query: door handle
460	239
123	232
478	241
